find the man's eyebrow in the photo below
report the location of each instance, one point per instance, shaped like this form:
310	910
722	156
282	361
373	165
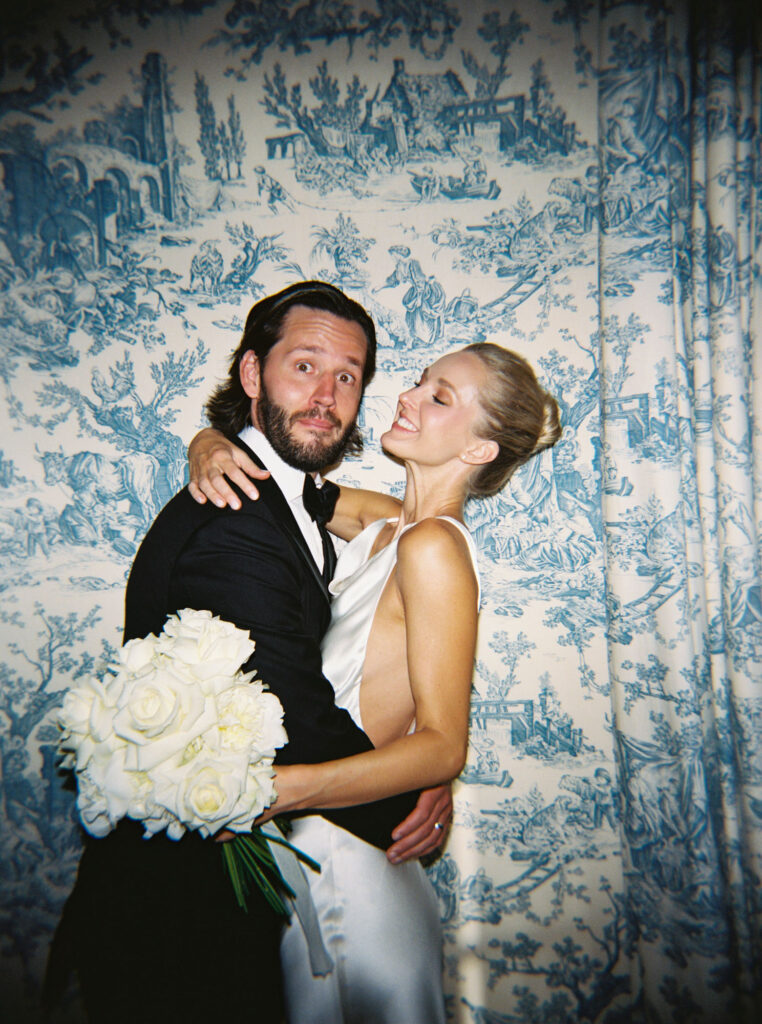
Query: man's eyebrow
319	350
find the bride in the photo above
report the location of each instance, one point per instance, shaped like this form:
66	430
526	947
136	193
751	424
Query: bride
399	653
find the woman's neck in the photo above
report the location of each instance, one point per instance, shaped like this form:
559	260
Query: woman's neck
431	492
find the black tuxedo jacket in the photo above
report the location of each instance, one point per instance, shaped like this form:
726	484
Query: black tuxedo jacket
152	926
254	568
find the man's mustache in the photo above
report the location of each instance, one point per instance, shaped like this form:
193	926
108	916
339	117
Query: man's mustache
315	413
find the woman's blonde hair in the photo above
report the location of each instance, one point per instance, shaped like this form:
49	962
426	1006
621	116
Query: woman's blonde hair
520	415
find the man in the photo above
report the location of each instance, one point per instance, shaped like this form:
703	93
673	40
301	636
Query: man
156	932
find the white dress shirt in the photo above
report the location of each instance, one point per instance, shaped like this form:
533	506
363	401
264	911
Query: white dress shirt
291	483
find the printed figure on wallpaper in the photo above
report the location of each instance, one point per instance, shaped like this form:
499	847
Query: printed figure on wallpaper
213	282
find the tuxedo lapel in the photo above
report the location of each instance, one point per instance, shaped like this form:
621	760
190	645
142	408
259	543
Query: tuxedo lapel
271	494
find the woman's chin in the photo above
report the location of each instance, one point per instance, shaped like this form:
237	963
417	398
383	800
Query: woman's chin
390	444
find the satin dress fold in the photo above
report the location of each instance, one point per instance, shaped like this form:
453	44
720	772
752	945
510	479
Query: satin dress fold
380	922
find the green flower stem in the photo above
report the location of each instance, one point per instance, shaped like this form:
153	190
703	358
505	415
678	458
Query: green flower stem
248	859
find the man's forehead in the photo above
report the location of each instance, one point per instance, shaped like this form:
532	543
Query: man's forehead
320	331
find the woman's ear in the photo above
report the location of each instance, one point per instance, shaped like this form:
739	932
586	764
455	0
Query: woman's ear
480	453
248	372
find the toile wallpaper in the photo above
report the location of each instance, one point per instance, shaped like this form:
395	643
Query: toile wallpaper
576	179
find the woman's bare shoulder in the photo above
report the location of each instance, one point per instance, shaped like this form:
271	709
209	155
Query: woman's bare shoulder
432	547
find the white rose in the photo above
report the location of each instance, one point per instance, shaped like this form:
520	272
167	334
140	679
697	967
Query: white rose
158	820
257	797
250	719
141	803
208	792
105	789
93	808
211	649
86	719
138	653
159	714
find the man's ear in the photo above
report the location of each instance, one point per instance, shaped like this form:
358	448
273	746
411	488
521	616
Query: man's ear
249	374
480	452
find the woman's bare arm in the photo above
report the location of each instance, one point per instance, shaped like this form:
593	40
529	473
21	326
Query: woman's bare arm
439	594
215	462
357	508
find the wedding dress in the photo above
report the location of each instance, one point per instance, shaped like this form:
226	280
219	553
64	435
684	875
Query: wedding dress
380	922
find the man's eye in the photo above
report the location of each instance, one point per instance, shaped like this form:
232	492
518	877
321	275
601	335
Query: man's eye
303	367
346	378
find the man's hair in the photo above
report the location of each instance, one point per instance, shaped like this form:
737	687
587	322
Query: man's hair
229	408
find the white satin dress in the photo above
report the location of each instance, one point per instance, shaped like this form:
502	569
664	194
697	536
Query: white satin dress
380	922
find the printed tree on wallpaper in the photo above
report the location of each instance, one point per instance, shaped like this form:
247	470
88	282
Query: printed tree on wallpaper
46	73
38	834
332	115
236	141
584	985
256	251
502	35
334	153
347	249
113	500
50	66
209	139
252	28
221	143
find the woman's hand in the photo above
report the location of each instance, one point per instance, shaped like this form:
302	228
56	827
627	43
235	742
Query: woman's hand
211	459
425	828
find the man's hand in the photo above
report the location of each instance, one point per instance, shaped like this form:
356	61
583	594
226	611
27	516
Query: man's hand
425	828
211	459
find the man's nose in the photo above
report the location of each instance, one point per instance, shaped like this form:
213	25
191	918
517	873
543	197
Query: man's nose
325	391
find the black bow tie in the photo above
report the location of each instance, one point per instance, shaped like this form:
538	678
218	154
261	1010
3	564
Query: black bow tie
320	502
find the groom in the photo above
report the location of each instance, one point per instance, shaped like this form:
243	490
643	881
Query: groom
155	929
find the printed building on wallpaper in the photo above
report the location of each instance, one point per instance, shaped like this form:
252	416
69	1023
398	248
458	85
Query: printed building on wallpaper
88	192
515	722
413	105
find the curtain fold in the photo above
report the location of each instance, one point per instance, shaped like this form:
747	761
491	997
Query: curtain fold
688	765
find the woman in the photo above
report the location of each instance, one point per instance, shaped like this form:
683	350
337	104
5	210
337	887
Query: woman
400	653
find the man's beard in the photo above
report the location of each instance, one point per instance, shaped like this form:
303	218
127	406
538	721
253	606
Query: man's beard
309	456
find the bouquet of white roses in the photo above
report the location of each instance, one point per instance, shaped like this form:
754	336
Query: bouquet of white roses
177	737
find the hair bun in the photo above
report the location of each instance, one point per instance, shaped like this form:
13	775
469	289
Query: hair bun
550	431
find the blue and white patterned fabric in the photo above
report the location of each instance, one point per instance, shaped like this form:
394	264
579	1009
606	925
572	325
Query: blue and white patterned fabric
577	180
